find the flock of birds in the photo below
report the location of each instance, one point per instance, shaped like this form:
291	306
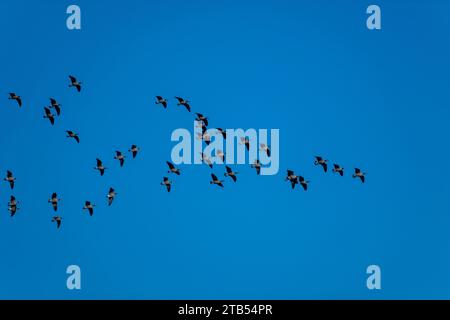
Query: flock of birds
134	150
205	137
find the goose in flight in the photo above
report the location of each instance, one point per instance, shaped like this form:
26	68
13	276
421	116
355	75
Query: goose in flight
206	137
320	161
90	207
100	167
172	168
75	83
221	155
49	115
265	148
201	118
13	96
206	160
166	182
71	134
216	181
292	178
58	221
120	156
12	206
359	174
183	102
134	150
55	105
111	195
230	173
245	141
257	166
54	201
10	178
161	100
222	132
337	168
303	182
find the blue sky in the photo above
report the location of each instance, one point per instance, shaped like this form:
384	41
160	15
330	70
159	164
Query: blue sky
372	99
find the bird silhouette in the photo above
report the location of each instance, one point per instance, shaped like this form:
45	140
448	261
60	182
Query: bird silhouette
13	96
75	83
100	167
183	102
216	181
10	178
71	134
230	173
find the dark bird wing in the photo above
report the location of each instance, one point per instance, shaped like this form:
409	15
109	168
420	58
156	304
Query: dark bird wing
325	167
102	171
19	101
213	176
91	211
341	173
188	107
159	98
293	183
72	79
164	103
48	113
179	99
52	101
171	166
78	87
233	177
9	174
77	139
54	195
357	170
318	158
58	109
55	206
168	186
122	161
11	184
228	169
58	223
99	163
363	179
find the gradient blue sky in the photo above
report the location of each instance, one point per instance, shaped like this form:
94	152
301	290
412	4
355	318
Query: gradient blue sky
378	100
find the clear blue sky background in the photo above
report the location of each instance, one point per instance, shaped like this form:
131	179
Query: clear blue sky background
378	100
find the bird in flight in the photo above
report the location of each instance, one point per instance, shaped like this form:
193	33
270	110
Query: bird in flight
166	182
172	168
206	160
90	207
54	201
292	178
221	155
55	105
121	157
58	221
230	173
100	167
223	132
49	115
321	161
10	178
246	141
201	118
111	195
13	96
337	168
161	100
75	83
183	102
71	134
216	181
303	182
359	174
265	148
257	166
12	206
134	150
